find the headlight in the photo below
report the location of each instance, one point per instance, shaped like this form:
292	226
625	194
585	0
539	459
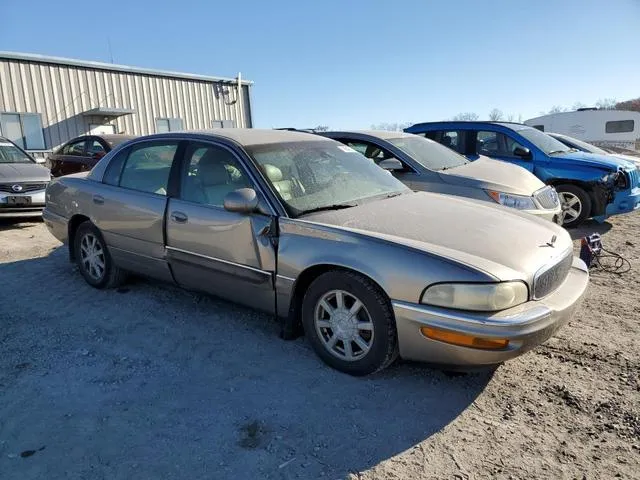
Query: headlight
488	297
515	201
618	179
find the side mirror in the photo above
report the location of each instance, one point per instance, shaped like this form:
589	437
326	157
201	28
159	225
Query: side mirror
391	164
522	152
243	200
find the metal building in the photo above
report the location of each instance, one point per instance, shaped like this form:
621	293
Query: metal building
46	101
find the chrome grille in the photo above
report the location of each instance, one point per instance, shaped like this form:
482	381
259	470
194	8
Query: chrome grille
26	187
549	280
634	178
547	197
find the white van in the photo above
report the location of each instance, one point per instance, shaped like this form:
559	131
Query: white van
602	127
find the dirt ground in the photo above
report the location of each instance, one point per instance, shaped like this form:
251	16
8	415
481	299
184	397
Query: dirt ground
151	382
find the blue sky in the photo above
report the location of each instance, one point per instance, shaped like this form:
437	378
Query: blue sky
351	64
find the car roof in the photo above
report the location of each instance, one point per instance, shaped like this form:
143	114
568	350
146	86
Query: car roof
449	123
382	134
250	136
114	137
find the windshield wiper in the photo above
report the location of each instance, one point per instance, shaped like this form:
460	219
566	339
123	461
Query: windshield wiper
558	151
337	206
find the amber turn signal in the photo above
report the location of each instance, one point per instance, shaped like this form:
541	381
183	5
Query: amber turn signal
464	340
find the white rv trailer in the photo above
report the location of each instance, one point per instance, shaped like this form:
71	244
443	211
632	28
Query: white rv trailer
619	128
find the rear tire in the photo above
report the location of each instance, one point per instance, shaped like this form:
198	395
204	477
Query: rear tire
575	203
93	258
349	322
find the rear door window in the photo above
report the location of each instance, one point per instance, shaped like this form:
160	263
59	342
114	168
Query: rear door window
147	167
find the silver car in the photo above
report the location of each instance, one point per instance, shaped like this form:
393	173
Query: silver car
22	182
310	231
423	164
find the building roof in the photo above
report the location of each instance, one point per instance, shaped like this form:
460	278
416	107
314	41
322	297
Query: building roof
34	58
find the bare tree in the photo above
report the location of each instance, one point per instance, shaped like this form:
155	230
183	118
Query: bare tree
633	105
468	116
321	128
392	127
578	105
556	109
495	115
606	104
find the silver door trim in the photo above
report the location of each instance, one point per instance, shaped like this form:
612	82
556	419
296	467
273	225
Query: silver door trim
206	257
292	280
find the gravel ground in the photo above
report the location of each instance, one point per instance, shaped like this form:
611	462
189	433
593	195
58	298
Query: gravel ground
150	382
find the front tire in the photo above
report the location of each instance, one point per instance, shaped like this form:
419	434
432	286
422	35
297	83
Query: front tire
349	322
93	258
575	203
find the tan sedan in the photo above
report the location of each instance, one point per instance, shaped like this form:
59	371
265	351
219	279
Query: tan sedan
311	231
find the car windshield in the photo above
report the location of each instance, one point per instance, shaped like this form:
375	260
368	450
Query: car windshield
428	153
322	175
9	153
584	146
544	142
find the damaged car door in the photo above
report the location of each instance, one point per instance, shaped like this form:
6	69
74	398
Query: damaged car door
226	253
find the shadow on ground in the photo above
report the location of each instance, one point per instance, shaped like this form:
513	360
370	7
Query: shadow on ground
19	223
589	227
149	381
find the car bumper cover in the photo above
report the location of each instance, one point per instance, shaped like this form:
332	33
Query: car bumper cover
624	202
33	208
525	326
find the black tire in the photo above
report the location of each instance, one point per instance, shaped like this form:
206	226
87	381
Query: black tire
112	276
585	204
384	341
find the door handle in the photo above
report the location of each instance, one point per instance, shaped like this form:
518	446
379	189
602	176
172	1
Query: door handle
98	199
179	217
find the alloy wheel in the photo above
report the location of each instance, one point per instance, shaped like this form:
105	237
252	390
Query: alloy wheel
571	207
92	256
344	325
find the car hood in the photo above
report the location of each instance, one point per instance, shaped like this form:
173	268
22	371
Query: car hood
497	240
23	172
603	162
493	175
628	158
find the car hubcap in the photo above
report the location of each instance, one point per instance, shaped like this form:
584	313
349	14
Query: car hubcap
92	256
344	325
571	207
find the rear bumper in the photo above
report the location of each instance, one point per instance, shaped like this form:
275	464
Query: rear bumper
525	326
57	225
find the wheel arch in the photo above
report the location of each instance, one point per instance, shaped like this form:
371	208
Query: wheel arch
72	227
596	203
293	321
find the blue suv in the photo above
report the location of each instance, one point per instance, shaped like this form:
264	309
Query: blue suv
589	185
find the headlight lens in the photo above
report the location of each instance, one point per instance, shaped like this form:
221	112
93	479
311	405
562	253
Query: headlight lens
486	297
514	201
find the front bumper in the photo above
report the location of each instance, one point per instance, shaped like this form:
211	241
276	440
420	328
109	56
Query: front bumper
553	215
525	326
624	202
33	209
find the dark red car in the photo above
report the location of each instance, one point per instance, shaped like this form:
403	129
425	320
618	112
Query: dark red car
82	153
